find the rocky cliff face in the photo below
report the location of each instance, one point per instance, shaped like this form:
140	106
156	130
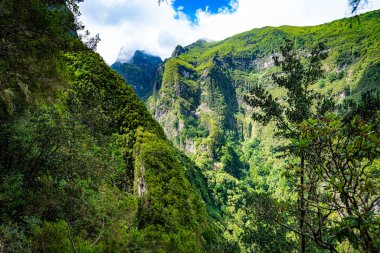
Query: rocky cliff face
198	94
140	71
200	99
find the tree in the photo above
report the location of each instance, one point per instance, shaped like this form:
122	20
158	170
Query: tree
31	30
344	159
90	42
296	78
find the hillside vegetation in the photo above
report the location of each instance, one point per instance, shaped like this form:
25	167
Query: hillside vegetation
84	167
212	78
202	107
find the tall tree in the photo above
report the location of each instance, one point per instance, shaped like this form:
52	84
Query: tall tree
343	155
296	77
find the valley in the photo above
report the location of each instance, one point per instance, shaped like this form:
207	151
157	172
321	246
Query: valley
266	141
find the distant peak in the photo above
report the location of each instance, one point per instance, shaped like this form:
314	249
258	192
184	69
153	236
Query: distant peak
127	56
178	51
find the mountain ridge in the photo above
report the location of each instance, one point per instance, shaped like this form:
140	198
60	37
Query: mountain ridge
85	167
140	71
247	58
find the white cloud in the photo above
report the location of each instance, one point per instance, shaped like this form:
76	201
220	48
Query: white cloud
142	24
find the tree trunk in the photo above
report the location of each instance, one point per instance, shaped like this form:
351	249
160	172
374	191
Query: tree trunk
302	205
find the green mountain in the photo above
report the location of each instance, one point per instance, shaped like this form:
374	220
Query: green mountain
202	85
83	165
141	71
200	105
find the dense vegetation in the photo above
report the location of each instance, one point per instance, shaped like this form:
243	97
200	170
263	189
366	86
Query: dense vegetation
279	137
84	167
262	170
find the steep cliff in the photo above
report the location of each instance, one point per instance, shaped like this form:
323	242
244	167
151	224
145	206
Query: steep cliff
200	100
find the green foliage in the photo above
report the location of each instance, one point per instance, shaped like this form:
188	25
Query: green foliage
107	94
262	234
296	78
32	35
344	159
85	168
52	237
366	108
332	77
225	71
369	82
71	153
221	95
194	129
230	157
64	165
14	239
199	120
168	209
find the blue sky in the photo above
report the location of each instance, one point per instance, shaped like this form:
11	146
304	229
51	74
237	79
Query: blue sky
128	25
190	7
